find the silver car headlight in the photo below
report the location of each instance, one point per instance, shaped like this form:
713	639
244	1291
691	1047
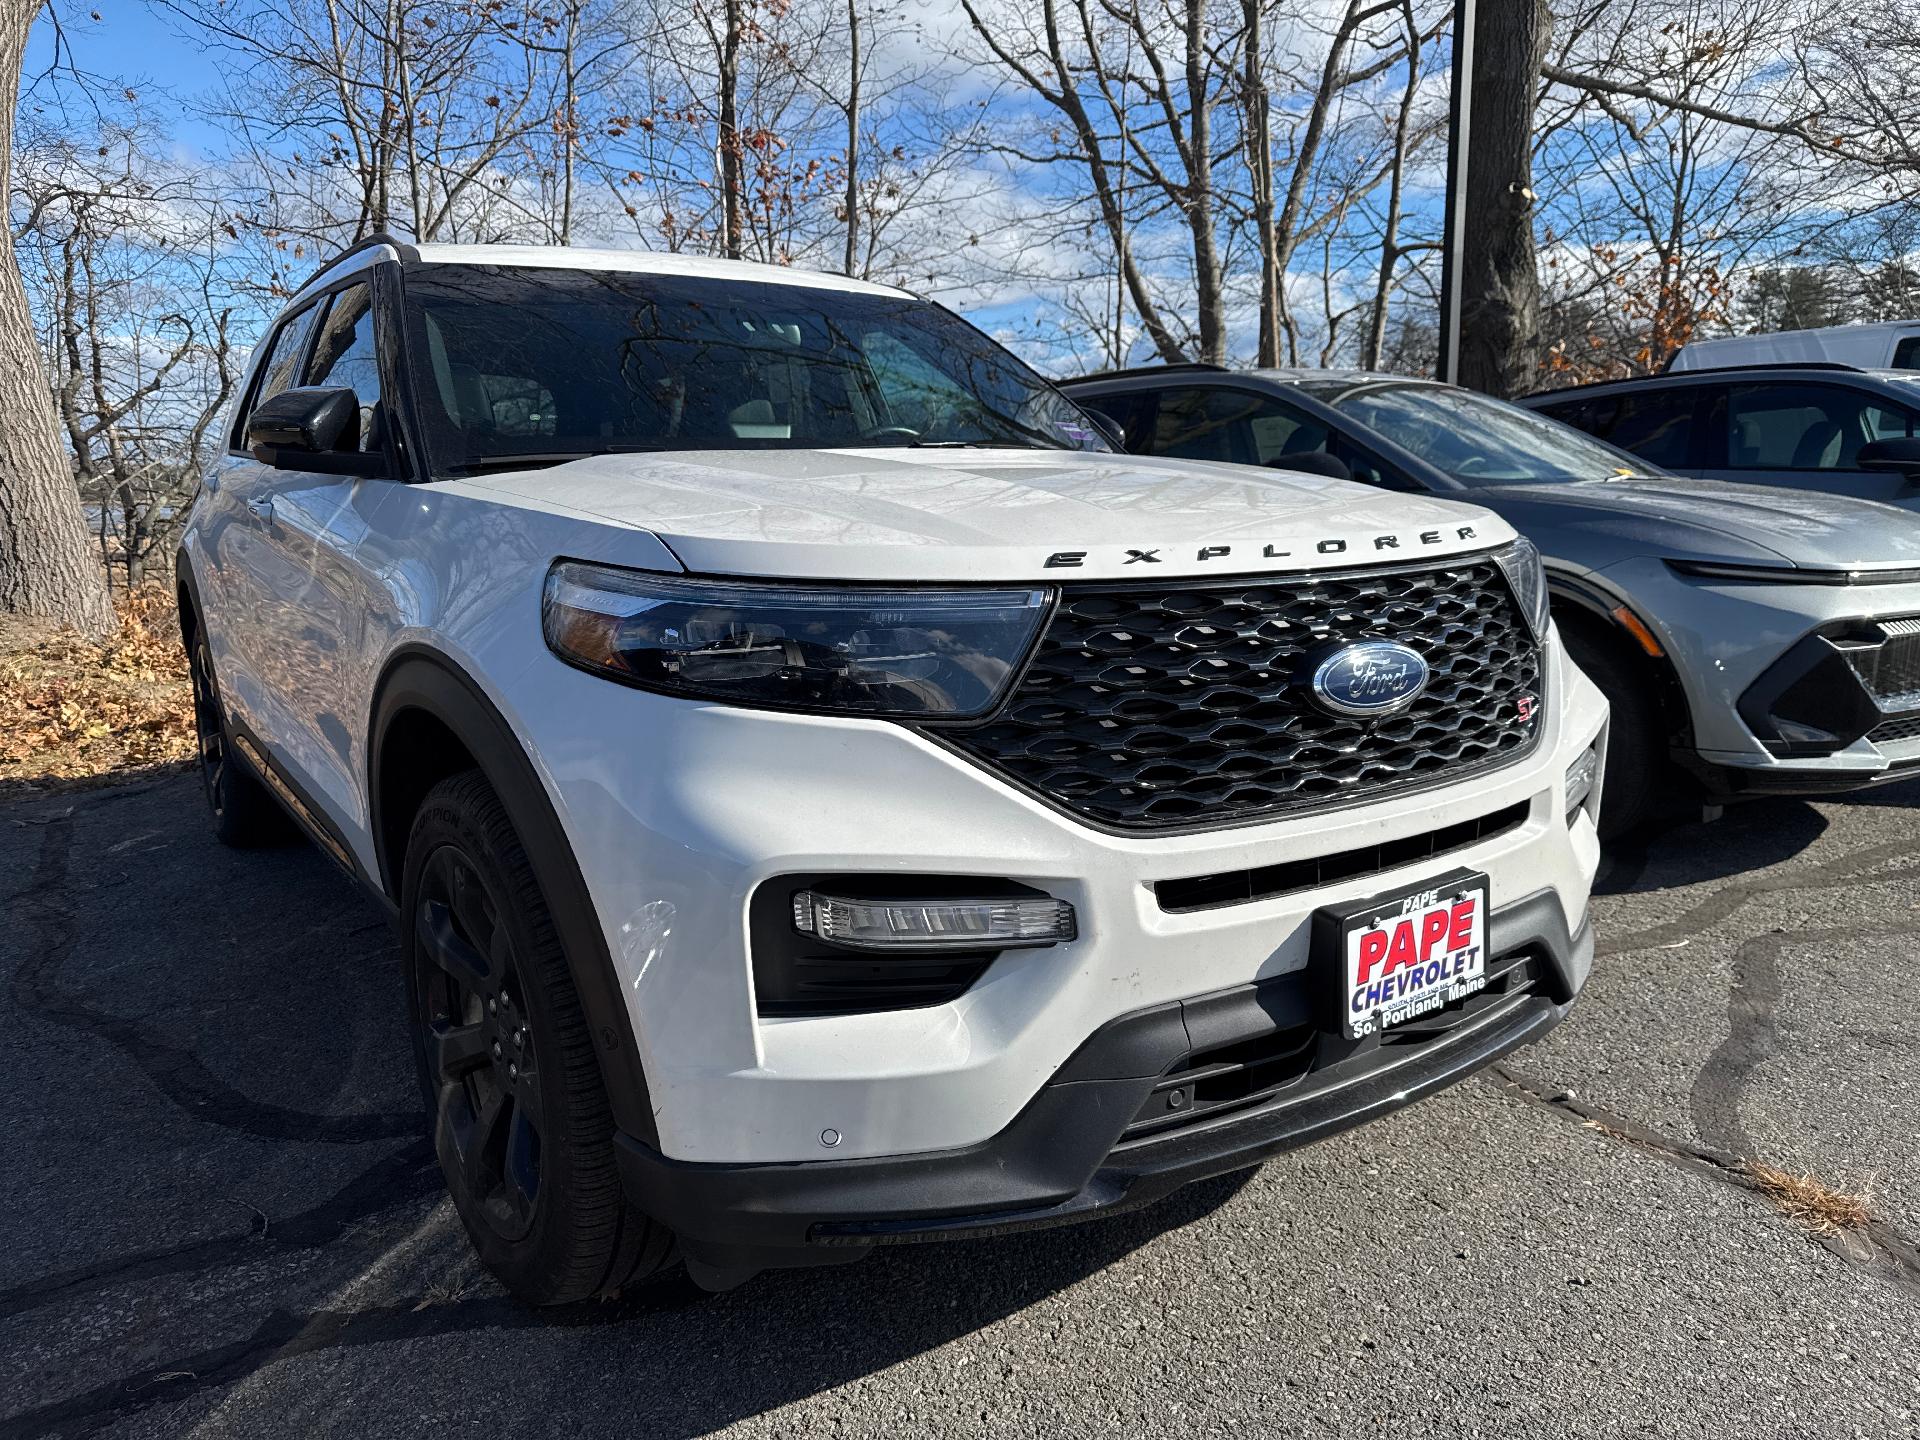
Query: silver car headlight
1520	563
945	654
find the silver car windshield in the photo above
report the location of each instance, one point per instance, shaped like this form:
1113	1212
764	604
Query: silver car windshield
525	364
1474	438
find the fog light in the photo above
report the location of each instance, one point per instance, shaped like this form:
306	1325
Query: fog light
1582	775
933	924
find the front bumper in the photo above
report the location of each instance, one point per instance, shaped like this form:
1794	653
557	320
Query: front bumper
677	833
1100	1137
1743	651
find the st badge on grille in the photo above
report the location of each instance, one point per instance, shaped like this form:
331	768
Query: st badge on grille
1368	679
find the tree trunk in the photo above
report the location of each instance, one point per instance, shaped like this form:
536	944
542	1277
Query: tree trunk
1209	296
1500	283
853	138
47	566
1259	138
732	160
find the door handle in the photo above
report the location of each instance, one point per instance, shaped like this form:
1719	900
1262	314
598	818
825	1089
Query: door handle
261	510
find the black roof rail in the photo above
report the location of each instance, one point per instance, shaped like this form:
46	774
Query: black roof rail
1159	368
1769	365
404	248
1700	370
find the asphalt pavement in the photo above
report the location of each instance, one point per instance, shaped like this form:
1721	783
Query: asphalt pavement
226	1223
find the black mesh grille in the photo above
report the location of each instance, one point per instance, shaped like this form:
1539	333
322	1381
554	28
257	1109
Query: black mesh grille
1891	670
1907	727
1179	705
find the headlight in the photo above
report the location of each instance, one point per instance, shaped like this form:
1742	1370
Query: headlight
1520	562
947	653
1787	573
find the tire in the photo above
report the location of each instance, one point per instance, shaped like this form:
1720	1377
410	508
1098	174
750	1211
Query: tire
245	813
1637	762
520	1118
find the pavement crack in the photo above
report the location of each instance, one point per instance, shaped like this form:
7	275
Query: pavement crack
281	1335
1753	1035
176	1072
1720	904
406	1177
1878	1248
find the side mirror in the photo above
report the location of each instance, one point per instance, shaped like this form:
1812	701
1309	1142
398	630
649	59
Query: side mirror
1313	462
1901	454
313	428
1111	428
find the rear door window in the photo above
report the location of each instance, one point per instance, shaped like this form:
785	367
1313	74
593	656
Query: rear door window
1232	425
1787	426
1132	411
1906	355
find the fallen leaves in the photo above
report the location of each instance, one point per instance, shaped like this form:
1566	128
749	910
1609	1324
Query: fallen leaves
70	707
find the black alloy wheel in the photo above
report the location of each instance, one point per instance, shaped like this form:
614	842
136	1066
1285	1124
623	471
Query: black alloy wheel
521	1122
245	814
479	1044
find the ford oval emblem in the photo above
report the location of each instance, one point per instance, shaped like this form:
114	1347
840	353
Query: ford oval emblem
1369	678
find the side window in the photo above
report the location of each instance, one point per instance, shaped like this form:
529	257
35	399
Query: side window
277	372
1368	469
345	354
1656	425
1803	427
1889	422
1906	355
1233	425
1130	411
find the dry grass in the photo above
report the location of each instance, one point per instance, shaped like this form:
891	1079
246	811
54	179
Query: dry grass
1811	1202
71	708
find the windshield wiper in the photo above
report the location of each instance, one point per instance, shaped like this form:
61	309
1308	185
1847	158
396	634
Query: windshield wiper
539	459
980	445
517	462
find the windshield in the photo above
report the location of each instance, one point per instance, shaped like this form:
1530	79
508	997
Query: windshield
538	364
1474	438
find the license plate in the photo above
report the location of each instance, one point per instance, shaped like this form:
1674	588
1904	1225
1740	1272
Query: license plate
1400	956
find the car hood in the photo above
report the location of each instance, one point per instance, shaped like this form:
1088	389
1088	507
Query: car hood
930	514
1680	519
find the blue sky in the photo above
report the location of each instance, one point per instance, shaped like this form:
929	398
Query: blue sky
130	44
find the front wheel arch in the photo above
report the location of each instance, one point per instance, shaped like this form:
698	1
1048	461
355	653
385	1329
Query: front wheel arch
424	692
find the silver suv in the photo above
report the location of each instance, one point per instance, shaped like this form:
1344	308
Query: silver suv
1762	641
1823	427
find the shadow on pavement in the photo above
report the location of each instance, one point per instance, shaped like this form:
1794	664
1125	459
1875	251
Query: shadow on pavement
222	1159
1748	836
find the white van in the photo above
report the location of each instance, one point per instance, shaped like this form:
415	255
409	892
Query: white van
1884	345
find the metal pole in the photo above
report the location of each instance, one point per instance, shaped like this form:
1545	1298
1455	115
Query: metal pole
1454	218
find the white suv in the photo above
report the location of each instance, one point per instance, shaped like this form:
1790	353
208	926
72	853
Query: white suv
830	799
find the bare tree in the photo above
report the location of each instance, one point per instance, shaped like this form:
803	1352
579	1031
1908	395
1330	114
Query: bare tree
121	264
